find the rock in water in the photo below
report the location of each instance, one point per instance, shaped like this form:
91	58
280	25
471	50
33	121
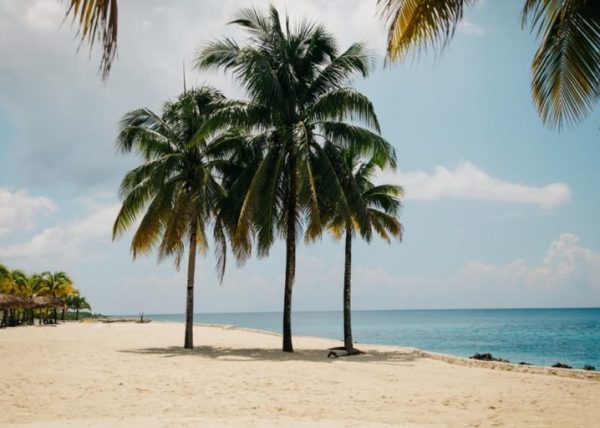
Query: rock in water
487	357
562	366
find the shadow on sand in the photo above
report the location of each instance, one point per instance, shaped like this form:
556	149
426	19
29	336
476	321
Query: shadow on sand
258	354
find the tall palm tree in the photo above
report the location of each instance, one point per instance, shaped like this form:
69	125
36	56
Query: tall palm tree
300	96
566	67
175	191
382	205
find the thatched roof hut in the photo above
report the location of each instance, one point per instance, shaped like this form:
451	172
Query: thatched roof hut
9	301
46	302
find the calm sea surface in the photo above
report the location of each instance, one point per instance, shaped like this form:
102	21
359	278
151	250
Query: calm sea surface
537	336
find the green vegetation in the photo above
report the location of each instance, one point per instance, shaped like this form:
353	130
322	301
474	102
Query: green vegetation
260	168
24	297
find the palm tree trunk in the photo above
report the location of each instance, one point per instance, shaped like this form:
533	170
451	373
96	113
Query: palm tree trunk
290	259
189	311
77	314
348	342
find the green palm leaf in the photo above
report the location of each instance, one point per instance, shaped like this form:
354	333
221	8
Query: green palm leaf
566	66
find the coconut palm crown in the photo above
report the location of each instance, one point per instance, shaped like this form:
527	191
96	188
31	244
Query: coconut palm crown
300	97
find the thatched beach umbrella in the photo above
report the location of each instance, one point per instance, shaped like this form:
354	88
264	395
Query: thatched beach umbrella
46	302
10	301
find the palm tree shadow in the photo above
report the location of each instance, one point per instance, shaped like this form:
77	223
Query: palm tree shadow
262	354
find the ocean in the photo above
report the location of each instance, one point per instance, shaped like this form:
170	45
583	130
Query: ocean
536	336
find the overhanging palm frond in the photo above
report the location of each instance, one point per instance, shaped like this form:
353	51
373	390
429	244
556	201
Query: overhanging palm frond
367	143
356	59
98	23
566	66
344	104
420	24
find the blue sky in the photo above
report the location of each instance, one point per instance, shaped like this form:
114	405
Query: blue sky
500	211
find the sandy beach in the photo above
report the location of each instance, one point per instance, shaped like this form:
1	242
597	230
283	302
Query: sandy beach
94	374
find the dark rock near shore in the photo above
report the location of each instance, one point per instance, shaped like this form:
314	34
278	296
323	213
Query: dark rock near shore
487	357
562	366
590	368
523	363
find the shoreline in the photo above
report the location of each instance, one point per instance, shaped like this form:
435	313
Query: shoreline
448	358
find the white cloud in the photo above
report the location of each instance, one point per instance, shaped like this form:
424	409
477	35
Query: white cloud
77	240
466	181
43	15
20	211
567	275
565	263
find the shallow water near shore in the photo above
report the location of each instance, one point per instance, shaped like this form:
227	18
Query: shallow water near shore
536	336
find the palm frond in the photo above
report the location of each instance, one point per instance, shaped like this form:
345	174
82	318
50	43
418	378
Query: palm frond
366	143
344	104
566	67
337	73
416	25
98	23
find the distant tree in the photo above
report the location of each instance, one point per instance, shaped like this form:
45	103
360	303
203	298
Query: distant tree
57	285
77	302
7	284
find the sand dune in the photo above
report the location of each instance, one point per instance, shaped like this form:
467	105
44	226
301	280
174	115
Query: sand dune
132	375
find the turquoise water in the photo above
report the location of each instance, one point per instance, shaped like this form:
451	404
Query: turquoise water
537	336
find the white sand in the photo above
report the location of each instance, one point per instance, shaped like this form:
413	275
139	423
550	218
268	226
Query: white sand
132	375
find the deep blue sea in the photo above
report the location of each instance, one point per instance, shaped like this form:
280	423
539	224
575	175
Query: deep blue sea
537	336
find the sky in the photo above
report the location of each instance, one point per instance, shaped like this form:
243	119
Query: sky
499	210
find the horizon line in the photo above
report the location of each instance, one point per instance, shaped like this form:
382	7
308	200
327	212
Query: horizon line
362	310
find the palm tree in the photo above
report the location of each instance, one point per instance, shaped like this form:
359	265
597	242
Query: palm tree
299	98
382	205
7	284
175	191
57	285
566	67
25	286
77	302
